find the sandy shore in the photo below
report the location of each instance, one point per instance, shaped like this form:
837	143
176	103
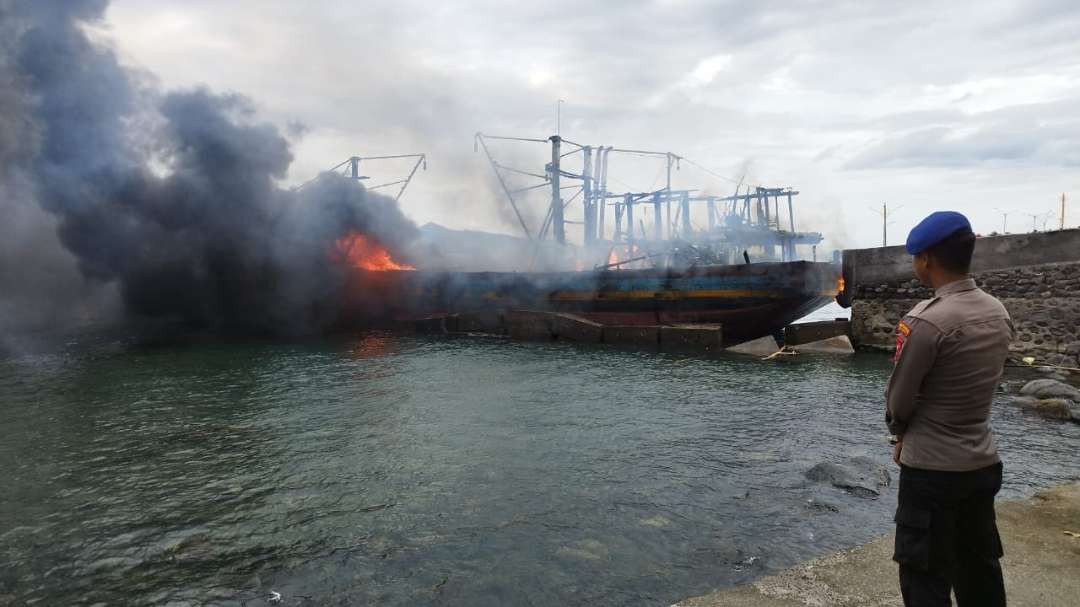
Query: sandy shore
1041	564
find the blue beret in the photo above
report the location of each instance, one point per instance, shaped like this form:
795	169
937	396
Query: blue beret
935	228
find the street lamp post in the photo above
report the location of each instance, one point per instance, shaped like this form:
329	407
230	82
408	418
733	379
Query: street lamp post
1004	220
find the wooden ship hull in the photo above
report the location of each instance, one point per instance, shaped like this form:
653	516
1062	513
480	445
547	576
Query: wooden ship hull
749	300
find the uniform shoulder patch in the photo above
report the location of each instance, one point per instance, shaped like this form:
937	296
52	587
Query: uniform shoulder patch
902	332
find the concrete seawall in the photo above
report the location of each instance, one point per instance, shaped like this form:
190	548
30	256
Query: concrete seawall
1036	276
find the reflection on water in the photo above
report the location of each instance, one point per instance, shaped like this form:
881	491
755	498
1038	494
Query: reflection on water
371	346
404	471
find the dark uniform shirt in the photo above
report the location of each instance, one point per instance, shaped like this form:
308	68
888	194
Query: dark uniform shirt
950	355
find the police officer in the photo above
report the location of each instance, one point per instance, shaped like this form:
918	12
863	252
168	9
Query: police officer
950	355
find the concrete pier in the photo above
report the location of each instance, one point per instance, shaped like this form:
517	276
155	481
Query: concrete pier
691	338
632	335
540	325
807	332
567	327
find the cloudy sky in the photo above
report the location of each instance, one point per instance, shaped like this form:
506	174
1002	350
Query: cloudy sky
923	106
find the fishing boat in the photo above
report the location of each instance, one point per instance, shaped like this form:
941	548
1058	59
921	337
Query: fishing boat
689	264
748	300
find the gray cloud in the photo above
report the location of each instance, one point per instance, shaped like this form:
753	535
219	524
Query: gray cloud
1043	135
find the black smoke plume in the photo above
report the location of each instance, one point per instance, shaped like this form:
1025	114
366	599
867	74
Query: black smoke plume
171	196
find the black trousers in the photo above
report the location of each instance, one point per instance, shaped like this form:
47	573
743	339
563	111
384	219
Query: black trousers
947	538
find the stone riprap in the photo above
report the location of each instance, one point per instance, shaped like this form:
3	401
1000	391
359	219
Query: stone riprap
1050	398
1043	300
1036	276
859	476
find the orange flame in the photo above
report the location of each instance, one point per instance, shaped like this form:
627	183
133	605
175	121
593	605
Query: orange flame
840	285
612	258
365	253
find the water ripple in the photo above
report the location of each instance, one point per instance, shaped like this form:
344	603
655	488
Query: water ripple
411	471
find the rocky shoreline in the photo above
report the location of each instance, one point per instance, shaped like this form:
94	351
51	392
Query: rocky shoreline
1042	561
1051	392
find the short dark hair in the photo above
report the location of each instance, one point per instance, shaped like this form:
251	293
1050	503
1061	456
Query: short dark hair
954	253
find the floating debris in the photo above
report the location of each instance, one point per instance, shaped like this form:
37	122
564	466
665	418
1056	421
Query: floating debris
783	351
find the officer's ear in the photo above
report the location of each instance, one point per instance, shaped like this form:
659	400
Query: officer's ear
920	264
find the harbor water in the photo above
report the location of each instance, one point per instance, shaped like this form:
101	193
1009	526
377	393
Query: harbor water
394	470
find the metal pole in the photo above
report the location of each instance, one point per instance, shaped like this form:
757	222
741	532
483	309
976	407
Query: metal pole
603	190
509	196
667	195
556	199
712	213
791	212
618	223
658	218
422	160
587	195
598	193
1061	223
354	167
884	225
684	205
629	202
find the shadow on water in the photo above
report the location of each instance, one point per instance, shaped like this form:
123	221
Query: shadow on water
408	470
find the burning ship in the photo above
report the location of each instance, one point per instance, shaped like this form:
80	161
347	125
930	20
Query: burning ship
740	269
200	232
749	301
